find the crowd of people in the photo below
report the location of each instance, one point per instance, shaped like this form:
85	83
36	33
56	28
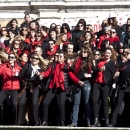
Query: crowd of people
64	76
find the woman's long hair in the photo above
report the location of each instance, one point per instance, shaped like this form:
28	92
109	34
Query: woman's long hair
113	56
88	62
115	22
3	57
59	41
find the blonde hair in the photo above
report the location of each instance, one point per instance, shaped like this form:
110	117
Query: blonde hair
59	41
42	62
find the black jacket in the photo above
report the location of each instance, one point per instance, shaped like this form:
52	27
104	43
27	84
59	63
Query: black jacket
109	71
26	73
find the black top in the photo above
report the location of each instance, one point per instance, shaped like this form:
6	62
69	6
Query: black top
108	73
26	72
125	71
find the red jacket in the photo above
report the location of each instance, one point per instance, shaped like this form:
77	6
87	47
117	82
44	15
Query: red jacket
100	41
58	76
10	81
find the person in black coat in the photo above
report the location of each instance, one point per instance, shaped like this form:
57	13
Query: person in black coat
32	82
104	74
123	81
11	34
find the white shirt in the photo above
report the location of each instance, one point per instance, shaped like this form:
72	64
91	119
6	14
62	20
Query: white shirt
34	70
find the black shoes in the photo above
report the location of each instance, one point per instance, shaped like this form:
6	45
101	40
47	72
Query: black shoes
61	123
96	123
107	123
44	123
112	125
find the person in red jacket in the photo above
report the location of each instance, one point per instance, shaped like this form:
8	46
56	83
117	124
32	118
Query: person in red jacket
58	86
104	37
9	72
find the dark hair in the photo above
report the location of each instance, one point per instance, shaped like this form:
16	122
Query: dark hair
52	40
83	22
36	22
53	29
115	22
26	15
128	25
52	24
44	28
103	45
66	26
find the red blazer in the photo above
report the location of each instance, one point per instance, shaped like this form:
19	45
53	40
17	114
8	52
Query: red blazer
58	76
10	81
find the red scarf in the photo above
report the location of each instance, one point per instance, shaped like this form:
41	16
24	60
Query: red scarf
100	77
113	39
36	43
50	53
59	76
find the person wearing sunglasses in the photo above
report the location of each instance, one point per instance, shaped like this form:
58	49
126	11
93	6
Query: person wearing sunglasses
76	34
38	40
15	46
106	35
104	71
11	86
24	33
52	48
3	33
123	83
82	70
58	86
32	86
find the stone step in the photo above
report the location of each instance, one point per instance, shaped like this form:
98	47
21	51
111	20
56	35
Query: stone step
58	128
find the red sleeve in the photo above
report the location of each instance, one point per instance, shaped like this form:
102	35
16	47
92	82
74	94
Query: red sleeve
47	72
27	40
73	77
100	42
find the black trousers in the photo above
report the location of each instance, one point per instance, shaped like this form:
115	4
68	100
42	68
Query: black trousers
22	102
61	97
102	91
120	97
14	96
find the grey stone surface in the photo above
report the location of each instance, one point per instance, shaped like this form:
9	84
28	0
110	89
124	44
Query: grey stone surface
57	128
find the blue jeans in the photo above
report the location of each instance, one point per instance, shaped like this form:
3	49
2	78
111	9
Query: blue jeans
85	90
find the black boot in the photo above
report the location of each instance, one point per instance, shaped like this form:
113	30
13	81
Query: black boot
96	123
112	125
61	123
107	123
44	123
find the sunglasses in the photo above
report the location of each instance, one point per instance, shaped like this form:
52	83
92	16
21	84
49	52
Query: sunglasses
97	54
60	56
24	30
34	58
16	43
37	36
11	57
51	43
83	51
56	55
3	30
113	32
80	25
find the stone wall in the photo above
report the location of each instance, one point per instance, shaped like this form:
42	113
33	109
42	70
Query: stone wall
61	9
